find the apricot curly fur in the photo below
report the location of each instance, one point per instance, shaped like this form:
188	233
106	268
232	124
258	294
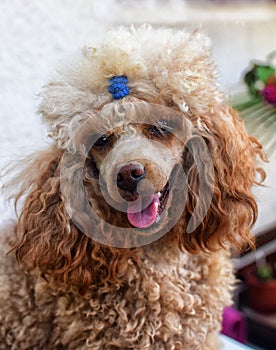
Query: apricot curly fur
68	291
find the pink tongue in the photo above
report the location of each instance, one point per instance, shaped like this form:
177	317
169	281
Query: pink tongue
143	215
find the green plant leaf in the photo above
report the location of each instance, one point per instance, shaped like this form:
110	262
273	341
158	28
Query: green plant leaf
250	79
264	72
265	272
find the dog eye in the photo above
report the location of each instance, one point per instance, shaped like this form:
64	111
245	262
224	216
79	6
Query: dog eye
104	140
161	130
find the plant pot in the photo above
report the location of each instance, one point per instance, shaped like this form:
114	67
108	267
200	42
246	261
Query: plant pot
261	294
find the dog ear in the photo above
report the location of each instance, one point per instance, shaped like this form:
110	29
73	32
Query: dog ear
221	170
44	240
48	240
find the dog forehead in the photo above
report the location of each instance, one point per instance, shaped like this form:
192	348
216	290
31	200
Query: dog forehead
129	115
127	130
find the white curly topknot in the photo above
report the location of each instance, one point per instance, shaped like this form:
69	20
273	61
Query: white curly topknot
166	66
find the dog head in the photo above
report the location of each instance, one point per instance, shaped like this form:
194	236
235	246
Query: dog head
144	147
132	164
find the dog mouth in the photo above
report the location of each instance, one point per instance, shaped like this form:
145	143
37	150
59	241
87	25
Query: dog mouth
147	209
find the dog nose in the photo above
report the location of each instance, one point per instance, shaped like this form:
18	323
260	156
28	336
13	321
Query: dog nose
129	175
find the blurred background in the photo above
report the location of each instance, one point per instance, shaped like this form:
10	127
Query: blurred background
36	37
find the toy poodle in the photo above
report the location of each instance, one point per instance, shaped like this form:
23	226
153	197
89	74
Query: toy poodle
127	221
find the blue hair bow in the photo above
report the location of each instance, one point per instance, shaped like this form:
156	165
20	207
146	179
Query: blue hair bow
118	87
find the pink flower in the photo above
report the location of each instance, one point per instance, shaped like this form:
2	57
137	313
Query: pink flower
269	93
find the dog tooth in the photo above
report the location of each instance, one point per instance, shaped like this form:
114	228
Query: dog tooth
157	218
159	194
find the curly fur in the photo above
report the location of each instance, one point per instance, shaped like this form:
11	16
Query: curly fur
71	292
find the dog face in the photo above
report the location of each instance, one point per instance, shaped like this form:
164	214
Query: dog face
132	172
131	165
137	161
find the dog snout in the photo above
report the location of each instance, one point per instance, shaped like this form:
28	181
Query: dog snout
129	176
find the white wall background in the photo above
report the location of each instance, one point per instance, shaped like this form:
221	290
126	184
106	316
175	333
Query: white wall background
37	36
